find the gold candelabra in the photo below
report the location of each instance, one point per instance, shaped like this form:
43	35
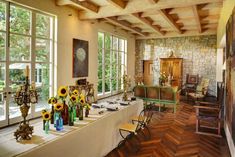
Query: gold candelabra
126	85
25	95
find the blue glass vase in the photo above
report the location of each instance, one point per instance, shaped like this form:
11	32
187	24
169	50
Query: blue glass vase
59	122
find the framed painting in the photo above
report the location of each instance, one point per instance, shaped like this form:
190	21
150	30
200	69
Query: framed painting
80	58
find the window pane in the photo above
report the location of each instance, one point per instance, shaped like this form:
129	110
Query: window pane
115	43
100	63
2	107
99	86
43	25
114	70
42	50
107	64
107	85
17	78
2	76
19	20
2	16
2	47
108	42
19	48
100	40
17	74
42	85
121	45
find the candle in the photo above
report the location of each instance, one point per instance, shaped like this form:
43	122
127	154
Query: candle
27	71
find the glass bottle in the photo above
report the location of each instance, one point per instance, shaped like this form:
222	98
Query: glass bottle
47	127
71	116
65	114
80	112
52	114
59	123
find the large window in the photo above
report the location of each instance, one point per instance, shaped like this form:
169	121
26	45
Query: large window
26	38
112	57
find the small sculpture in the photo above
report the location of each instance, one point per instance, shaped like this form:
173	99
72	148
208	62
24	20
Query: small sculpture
24	96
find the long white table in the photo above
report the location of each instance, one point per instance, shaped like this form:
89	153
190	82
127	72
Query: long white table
95	136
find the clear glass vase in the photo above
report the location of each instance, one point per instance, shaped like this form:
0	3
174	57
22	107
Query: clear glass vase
47	127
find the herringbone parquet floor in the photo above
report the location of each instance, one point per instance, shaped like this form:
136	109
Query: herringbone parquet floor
173	135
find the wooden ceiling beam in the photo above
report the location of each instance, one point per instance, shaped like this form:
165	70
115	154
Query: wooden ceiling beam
118	3
148	23
125	25
89	6
135	6
196	14
170	20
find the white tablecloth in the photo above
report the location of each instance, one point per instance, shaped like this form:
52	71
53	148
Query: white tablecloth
95	136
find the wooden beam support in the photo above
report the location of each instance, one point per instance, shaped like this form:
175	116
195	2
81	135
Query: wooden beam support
196	14
148	23
118	3
136	6
89	6
170	20
125	25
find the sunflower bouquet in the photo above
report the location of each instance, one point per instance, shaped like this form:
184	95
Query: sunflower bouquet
73	102
162	78
58	117
87	109
46	116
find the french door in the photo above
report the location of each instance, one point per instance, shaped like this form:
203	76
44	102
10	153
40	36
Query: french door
26	39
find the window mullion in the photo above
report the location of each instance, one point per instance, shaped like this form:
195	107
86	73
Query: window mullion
7	48
103	67
32	52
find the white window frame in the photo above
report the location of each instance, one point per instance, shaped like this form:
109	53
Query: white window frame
123	66
32	60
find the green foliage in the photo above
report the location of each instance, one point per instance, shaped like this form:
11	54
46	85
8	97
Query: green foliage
113	60
20	45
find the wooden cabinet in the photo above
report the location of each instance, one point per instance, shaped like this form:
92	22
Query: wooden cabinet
173	67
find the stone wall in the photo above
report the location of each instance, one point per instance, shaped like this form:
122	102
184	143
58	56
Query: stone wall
198	53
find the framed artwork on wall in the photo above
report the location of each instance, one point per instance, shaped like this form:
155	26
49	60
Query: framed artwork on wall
80	58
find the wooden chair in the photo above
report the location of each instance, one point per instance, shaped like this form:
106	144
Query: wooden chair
208	115
191	83
200	92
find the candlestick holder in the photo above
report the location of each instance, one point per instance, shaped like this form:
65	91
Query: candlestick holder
25	95
126	85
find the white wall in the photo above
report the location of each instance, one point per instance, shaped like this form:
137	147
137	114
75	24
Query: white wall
219	65
70	27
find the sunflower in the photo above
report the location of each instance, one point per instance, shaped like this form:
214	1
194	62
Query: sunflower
87	107
49	101
58	107
43	111
82	99
46	115
75	92
62	92
73	99
53	100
